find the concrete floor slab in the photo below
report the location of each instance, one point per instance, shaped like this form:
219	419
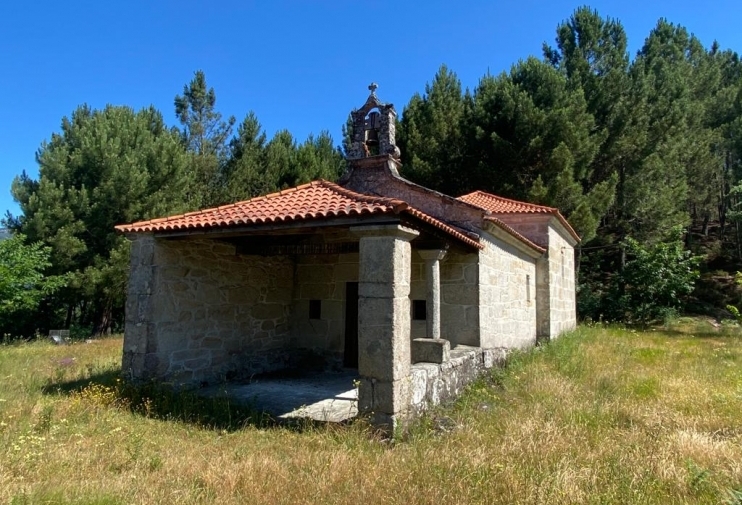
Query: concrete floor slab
327	396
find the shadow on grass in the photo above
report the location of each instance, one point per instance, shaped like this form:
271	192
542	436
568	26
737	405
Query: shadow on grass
164	402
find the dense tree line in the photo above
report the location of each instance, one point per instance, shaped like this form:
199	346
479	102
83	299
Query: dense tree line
630	149
627	149
117	165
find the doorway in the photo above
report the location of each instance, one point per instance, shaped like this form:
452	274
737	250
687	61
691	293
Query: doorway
350	358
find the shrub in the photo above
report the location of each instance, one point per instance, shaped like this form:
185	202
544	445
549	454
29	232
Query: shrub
653	284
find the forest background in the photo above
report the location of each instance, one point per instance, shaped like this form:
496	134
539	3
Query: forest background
641	154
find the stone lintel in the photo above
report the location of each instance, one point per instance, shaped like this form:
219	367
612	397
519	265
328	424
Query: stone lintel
432	254
430	350
385	230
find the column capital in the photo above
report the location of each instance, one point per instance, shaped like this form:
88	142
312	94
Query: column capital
385	230
432	254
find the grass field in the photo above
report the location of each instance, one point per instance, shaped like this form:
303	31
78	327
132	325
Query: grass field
603	415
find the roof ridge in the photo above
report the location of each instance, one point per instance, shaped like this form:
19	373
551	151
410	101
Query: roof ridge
396	204
509	200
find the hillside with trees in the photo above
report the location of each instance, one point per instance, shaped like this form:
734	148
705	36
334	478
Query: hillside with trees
118	165
630	151
640	152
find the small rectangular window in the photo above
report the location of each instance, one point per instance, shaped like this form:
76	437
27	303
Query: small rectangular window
315	309
419	310
528	288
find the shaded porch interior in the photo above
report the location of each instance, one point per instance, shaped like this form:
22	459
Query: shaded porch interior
273	318
324	396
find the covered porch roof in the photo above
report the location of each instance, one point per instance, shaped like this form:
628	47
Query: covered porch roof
315	203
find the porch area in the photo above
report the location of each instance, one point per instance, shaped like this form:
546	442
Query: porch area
320	325
324	397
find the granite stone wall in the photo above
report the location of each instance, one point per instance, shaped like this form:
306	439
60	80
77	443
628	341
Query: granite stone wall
433	384
563	309
535	227
460	298
555	276
322	277
507	295
197	312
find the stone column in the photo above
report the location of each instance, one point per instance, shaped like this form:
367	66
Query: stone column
139	336
433	259
384	322
432	349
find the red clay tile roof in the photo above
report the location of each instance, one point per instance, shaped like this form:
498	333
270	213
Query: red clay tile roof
499	205
316	200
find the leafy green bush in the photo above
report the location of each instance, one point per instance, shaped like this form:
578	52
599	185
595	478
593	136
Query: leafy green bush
653	284
23	285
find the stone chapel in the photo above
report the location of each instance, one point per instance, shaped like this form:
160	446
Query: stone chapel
415	291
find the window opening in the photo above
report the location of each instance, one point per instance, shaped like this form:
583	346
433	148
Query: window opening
315	309
419	310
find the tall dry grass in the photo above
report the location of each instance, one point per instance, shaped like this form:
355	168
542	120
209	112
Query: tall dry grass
603	415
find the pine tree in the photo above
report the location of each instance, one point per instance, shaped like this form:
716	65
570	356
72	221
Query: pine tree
244	173
205	136
430	135
106	167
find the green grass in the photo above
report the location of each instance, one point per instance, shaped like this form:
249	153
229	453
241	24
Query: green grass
603	415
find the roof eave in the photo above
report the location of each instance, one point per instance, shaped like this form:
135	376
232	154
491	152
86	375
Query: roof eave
279	226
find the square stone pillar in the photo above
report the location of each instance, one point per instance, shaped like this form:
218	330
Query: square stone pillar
384	322
139	360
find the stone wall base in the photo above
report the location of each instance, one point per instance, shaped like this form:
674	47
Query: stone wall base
244	366
433	384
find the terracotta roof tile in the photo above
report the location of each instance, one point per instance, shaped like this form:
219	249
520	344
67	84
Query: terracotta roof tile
499	205
444	227
316	200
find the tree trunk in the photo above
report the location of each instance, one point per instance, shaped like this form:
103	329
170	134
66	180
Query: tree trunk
105	320
70	312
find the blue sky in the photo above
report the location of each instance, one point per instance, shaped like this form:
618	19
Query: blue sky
300	65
